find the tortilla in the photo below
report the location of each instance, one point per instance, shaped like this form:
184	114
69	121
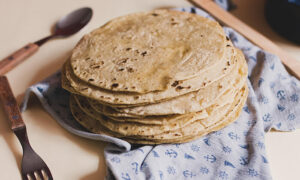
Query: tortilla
148	51
150	120
189	133
121	99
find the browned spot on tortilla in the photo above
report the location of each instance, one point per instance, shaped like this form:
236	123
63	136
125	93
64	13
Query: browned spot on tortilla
114	85
175	83
179	87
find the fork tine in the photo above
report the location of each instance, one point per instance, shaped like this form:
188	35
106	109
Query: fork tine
32	175
24	177
40	174
47	171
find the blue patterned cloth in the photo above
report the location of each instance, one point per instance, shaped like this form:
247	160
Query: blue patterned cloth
235	152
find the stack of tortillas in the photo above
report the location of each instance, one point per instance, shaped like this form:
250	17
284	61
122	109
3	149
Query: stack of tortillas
156	77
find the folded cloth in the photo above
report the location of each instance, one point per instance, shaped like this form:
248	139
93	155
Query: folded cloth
235	152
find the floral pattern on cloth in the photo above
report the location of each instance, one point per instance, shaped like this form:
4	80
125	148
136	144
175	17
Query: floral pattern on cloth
234	152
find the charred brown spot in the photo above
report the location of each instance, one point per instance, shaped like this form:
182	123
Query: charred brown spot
136	97
227	38
102	62
228	45
228	63
144	53
96	67
176	134
220	86
87	59
133	87
204	83
123	61
130	70
179	87
114	85
121	69
174	23
154	14
225	69
114	79
91	79
128	49
189	87
175	83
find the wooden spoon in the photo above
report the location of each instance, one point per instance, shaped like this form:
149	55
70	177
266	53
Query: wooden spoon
67	26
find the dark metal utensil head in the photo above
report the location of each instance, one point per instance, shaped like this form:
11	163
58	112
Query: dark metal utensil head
69	24
73	22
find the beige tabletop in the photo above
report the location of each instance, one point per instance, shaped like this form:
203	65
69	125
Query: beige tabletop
72	157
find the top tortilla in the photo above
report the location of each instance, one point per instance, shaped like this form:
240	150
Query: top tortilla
121	99
149	51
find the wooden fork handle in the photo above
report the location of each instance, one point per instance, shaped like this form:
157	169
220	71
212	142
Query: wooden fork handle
10	104
17	57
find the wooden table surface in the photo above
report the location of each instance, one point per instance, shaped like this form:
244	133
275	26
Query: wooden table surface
72	157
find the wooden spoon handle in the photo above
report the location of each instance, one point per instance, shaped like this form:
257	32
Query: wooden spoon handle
10	105
17	57
250	33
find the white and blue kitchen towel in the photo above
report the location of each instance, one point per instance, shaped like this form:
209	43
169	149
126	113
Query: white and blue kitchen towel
235	152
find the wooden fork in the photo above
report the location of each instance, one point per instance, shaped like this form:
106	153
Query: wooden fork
32	165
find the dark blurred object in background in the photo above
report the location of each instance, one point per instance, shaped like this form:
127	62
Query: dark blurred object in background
284	17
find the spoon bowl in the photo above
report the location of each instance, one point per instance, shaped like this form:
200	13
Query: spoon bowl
73	22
